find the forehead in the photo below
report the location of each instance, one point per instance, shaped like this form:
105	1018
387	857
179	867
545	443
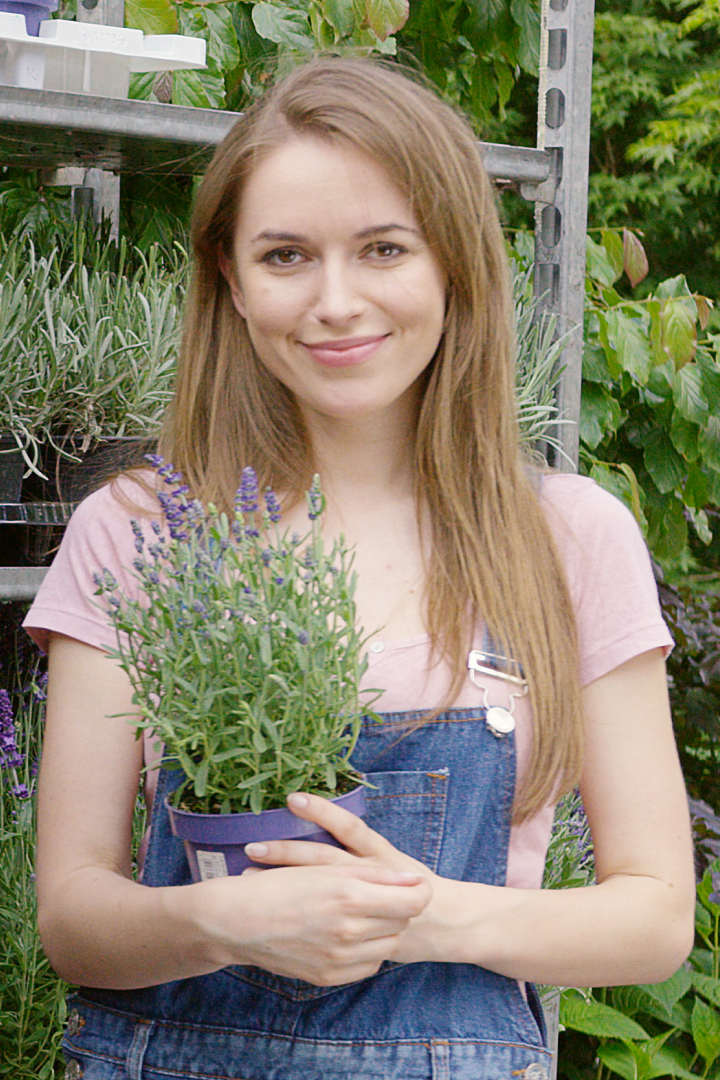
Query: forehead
308	182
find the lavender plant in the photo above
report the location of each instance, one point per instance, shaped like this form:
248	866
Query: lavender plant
32	998
242	648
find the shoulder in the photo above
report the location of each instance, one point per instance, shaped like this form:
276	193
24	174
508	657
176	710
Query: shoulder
128	496
608	570
585	519
99	537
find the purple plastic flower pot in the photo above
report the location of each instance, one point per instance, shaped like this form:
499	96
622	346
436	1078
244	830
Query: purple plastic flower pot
35	11
215	843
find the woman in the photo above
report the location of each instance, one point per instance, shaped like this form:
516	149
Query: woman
350	314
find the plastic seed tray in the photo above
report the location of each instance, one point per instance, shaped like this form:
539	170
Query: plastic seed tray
86	58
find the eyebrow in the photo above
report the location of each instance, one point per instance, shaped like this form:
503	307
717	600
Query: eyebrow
295	238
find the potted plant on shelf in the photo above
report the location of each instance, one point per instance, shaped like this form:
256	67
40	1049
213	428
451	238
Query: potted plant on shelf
88	343
245	660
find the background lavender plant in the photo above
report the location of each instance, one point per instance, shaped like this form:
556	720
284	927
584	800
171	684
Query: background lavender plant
242	648
570	860
32	998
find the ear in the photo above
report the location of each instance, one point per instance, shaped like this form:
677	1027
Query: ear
228	272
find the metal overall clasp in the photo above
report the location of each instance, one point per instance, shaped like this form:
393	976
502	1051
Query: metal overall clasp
500	721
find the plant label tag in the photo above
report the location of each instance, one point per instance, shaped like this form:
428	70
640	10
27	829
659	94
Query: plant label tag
211	864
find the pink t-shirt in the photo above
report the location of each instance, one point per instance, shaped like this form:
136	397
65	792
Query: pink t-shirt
608	571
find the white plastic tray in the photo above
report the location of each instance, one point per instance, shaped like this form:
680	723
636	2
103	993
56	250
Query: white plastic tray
87	58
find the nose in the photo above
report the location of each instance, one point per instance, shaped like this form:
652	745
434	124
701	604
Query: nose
338	299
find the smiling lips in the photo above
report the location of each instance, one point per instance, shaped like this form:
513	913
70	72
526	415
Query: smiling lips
345	352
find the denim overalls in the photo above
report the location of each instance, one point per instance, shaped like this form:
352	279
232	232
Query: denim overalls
443	794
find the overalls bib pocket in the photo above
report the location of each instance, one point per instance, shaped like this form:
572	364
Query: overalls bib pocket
408	809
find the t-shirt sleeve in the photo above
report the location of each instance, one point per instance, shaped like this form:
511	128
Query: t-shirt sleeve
98	537
609	573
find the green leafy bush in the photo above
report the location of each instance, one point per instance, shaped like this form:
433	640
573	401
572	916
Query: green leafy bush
650	417
669	1029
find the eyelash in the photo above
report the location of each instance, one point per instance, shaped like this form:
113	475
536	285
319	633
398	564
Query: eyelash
386	249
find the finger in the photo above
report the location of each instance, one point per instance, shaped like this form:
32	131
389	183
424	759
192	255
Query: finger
293	854
349	829
298	853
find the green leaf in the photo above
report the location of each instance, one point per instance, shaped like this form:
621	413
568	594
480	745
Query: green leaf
340	14
706	1030
283	26
593	1018
669	992
600	414
684	436
667	528
635	1063
709	441
688	393
673	287
613	245
628	339
201	778
708	986
526	17
695	497
387	16
599	266
679	334
151	16
199	89
662	461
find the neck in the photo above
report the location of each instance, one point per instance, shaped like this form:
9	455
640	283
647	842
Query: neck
364	460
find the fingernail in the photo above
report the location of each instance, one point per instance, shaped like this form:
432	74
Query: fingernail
406	875
255	850
298	801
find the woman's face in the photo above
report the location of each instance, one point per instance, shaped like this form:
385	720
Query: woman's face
343	299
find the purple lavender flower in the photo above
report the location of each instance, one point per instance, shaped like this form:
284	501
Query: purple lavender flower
246	497
21	791
303	637
273	506
315	499
10	756
39	687
138	534
714	896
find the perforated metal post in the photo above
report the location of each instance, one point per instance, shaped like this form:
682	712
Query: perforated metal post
561	225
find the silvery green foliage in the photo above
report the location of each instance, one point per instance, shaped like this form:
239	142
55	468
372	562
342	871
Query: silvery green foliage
89	353
538	366
242	649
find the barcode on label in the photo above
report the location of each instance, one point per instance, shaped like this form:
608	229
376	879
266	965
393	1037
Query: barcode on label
211	864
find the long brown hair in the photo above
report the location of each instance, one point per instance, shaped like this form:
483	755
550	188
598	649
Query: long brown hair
492	556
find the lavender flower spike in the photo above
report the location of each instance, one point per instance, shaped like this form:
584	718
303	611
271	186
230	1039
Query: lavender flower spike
273	506
315	499
246	498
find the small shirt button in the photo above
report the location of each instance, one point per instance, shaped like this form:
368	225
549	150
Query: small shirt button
73	1071
377	647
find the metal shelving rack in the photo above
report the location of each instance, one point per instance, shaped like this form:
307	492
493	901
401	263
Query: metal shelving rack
49	130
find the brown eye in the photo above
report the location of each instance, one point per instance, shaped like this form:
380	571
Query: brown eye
282	257
385	250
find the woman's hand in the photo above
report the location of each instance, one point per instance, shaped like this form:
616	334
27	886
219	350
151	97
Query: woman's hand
326	924
365	851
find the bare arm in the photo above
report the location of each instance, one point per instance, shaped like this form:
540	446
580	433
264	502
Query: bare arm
636	924
100	928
